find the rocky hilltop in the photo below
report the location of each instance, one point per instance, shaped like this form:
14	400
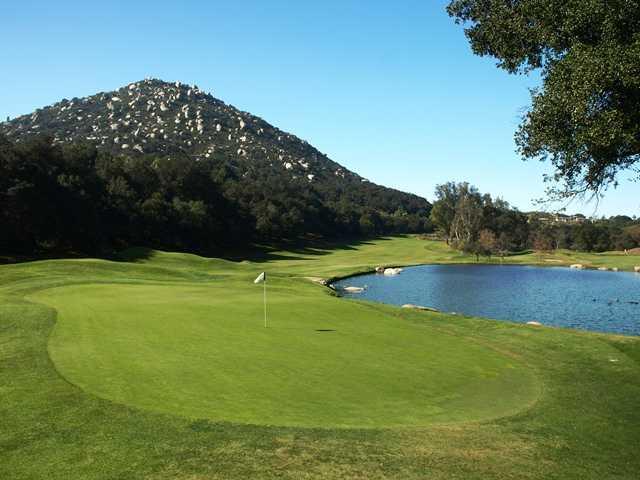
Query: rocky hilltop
161	118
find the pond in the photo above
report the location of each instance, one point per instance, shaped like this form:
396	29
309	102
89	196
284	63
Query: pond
603	301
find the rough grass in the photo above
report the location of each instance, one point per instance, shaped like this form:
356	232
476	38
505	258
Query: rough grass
109	323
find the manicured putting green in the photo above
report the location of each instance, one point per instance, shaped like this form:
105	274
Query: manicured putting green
200	350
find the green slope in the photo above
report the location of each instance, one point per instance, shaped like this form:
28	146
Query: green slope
155	374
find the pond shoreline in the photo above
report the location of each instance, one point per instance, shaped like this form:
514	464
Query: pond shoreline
561	264
523	295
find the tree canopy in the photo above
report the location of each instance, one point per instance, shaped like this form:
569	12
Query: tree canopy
76	198
585	118
477	223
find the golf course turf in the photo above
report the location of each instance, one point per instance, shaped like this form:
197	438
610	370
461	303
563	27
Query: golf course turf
158	366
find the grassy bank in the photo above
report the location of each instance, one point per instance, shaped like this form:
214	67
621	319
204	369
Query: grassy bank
159	367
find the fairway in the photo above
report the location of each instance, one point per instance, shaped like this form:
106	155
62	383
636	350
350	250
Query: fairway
201	351
157	366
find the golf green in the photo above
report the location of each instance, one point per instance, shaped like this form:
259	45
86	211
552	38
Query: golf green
156	365
200	350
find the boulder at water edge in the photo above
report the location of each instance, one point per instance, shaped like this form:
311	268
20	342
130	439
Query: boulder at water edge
420	307
392	271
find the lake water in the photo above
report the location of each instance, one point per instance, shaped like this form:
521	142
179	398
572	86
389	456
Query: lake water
558	296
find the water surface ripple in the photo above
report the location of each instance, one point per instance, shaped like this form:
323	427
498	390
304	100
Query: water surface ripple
602	301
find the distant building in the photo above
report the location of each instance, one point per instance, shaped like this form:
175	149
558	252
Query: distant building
555	218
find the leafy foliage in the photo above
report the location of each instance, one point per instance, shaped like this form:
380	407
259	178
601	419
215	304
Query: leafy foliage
595	235
586	118
476	223
480	225
76	198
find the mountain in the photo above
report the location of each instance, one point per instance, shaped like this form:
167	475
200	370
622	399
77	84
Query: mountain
251	161
161	118
174	119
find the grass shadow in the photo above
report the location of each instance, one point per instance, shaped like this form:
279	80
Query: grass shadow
134	254
301	250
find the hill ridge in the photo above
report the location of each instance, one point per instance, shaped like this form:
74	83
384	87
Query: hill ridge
169	162
156	117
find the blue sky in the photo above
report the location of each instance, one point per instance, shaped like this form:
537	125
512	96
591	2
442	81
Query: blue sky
390	90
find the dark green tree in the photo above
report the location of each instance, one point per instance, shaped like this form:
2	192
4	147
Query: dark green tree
487	243
443	210
585	119
467	221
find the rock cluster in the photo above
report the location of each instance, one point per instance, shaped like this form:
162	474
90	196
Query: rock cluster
161	118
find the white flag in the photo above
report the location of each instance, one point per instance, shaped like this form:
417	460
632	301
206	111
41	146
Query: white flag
261	278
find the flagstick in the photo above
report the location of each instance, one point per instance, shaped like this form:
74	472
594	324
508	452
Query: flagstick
265	303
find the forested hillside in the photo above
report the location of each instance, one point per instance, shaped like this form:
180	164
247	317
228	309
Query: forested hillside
169	166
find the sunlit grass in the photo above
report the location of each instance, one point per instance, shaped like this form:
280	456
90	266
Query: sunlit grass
162	369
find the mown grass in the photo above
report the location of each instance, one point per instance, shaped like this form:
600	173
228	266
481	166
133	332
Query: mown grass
156	334
202	351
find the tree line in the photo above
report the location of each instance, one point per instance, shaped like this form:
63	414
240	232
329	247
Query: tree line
74	198
479	224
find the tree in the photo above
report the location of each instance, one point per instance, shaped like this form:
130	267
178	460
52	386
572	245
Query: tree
468	217
585	237
634	233
472	248
457	212
370	223
508	224
585	119
623	241
443	210
503	244
543	242
461	213
487	243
